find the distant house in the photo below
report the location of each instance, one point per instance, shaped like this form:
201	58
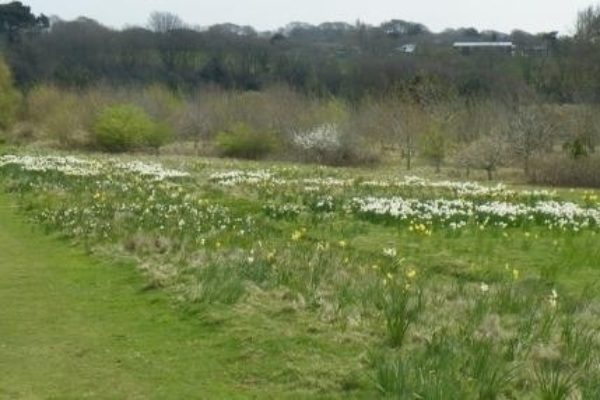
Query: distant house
535	51
409	48
485	47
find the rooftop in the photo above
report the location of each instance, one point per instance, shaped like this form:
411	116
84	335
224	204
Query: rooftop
483	44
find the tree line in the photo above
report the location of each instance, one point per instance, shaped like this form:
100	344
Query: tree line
335	58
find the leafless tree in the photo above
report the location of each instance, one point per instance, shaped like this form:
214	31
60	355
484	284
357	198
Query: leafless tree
405	121
164	22
587	27
488	153
531	132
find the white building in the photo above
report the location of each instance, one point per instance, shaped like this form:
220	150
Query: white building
485	47
409	48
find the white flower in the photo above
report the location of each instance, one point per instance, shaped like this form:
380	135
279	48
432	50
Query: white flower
323	137
484	287
390	252
553	298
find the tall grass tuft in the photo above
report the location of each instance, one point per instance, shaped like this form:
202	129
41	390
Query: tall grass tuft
401	305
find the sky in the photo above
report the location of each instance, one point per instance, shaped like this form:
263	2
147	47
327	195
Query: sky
501	15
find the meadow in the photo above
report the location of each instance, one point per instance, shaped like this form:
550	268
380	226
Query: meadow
339	282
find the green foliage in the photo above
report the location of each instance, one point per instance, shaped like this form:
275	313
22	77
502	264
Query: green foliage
401	307
126	127
491	376
554	383
157	137
236	57
16	17
333	111
162	103
392	377
434	145
216	284
243	141
10	98
576	148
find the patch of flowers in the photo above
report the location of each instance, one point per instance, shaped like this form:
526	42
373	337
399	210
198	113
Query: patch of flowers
410	186
457	214
470	190
67	165
154	170
74	166
283	211
239	177
111	200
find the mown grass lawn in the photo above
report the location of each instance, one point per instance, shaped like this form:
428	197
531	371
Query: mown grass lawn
277	280
74	328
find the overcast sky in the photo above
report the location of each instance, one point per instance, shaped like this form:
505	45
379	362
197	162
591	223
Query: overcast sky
502	15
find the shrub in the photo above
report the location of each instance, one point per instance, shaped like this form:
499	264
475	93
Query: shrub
126	127
562	170
58	114
434	145
158	137
244	142
9	98
576	148
161	103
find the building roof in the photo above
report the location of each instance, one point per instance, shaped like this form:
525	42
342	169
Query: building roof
407	48
484	44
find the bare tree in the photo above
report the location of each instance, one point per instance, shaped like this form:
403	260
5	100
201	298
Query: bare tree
194	122
531	132
405	121
580	130
164	22
488	153
587	28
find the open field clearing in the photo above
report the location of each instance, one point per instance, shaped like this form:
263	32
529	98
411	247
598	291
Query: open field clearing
307	281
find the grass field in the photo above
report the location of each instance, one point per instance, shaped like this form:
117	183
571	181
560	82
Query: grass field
266	279
74	328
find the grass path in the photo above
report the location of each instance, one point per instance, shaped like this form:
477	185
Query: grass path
73	328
